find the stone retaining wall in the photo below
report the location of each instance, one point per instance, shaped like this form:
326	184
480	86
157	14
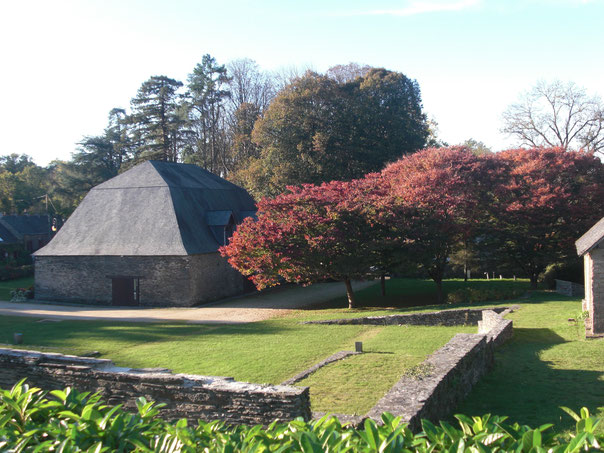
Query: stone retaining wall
186	396
434	318
570	289
450	373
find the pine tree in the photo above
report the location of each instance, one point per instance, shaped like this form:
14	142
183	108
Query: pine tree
156	119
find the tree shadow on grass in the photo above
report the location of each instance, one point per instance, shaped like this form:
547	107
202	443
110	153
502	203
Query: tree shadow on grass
529	389
419	294
55	334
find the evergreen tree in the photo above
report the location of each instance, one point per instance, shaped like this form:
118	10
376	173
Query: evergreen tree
156	119
207	93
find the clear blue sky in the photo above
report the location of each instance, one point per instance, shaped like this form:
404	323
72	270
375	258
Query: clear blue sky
65	64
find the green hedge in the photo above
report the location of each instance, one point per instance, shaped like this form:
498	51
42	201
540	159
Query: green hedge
32	420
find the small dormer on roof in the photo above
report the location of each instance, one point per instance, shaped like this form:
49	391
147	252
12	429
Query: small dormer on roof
592	239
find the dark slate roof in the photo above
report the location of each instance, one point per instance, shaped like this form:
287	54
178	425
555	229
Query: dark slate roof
20	225
155	208
591	239
6	237
219	218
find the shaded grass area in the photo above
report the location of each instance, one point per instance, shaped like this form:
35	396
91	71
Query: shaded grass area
354	385
407	292
9	285
416	296
546	365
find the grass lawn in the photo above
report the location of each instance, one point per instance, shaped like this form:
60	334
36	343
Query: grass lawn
354	385
263	352
9	285
547	364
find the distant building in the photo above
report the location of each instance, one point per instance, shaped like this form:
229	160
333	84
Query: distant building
23	234
148	237
591	247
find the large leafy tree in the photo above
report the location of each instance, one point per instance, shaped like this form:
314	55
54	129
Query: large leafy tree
309	234
23	185
156	120
318	129
442	192
544	200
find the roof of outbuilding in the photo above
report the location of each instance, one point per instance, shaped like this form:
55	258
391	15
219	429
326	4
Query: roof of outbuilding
6	237
20	225
155	208
591	239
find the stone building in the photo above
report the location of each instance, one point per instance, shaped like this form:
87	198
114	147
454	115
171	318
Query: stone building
148	237
23	233
591	247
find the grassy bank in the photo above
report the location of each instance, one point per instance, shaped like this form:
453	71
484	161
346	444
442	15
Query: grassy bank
547	364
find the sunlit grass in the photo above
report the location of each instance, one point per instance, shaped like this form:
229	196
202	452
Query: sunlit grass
354	385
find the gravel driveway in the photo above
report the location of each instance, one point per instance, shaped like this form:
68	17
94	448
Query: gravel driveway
250	308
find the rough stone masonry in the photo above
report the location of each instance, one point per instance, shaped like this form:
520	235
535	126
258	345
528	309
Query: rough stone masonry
186	396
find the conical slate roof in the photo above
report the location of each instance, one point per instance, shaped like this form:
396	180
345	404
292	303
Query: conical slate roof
155	208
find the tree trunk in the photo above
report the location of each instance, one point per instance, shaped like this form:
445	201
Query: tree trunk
349	293
383	284
439	292
534	278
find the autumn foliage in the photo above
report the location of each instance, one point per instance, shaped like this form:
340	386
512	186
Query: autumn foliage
442	191
309	234
544	201
529	206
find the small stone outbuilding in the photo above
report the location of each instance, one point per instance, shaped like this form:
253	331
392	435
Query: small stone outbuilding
26	233
591	247
148	237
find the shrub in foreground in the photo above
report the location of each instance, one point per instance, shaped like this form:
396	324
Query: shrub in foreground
32	420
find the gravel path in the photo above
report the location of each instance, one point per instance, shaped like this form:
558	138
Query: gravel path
255	307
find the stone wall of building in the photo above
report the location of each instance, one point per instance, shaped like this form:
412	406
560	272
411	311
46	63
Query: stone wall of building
186	396
594	290
164	280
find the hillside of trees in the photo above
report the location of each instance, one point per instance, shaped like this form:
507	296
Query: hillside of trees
261	130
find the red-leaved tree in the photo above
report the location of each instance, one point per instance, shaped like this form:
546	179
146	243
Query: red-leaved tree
441	193
544	200
310	234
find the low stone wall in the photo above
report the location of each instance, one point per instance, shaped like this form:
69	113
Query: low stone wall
570	289
186	396
434	318
447	376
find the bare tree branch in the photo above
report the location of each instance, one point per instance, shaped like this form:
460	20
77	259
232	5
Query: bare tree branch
557	114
